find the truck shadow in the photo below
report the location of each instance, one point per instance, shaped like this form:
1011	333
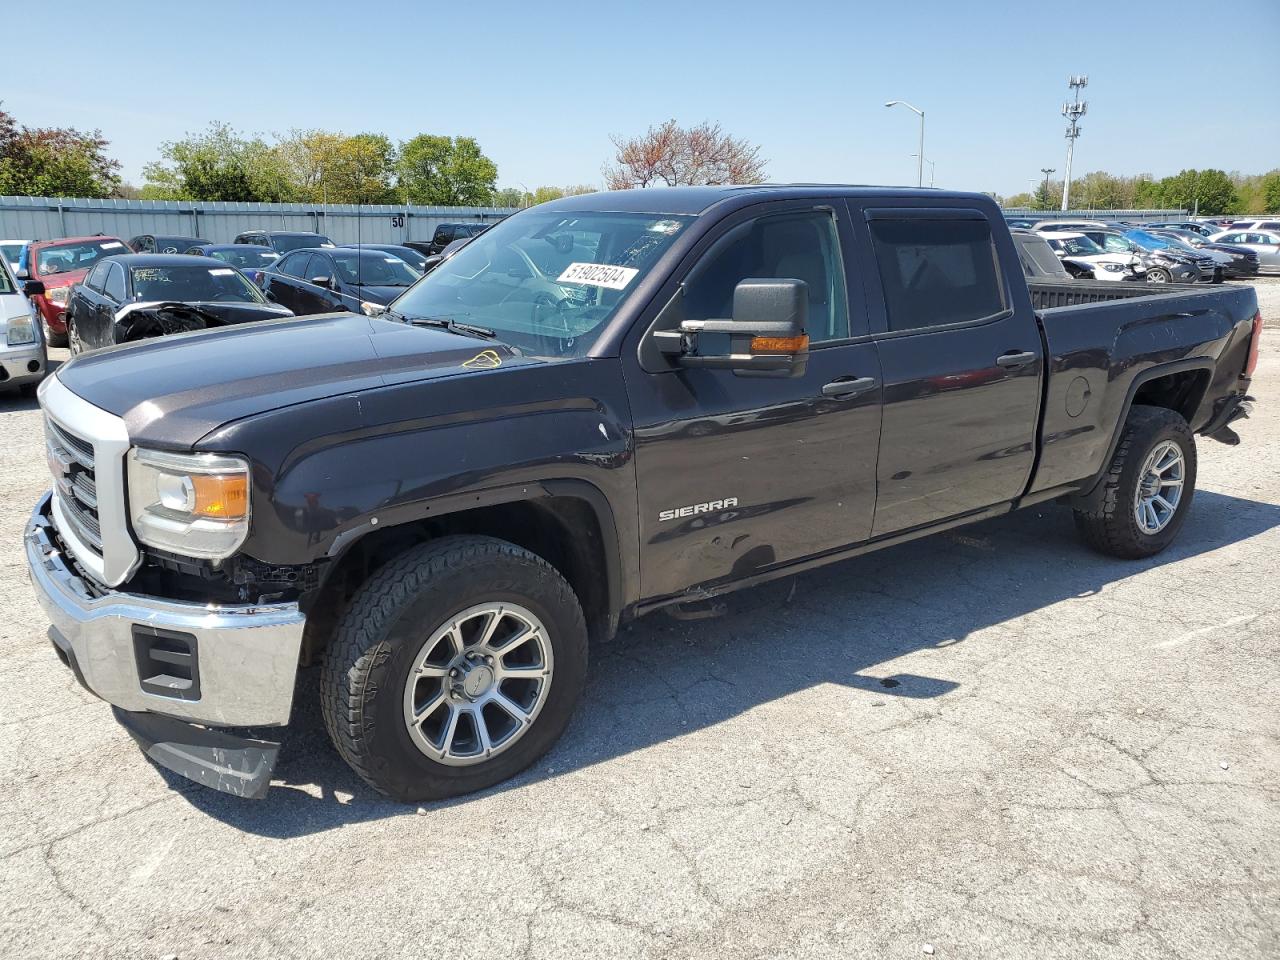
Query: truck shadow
662	678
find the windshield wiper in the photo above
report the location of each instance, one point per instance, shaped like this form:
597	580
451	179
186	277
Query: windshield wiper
447	323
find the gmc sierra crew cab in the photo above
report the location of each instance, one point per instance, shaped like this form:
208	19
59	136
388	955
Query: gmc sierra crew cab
603	406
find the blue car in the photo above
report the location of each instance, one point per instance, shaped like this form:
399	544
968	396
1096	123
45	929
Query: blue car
250	259
413	258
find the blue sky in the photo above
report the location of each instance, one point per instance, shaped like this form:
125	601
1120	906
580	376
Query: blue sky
542	86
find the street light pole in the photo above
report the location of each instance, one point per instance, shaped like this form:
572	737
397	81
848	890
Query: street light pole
920	155
1046	171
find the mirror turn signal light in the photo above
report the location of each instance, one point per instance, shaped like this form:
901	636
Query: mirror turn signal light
780	344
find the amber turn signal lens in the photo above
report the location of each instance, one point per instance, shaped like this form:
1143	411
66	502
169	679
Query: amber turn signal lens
780	344
222	496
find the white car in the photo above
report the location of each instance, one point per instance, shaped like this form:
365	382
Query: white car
11	250
1265	243
23	361
1106	266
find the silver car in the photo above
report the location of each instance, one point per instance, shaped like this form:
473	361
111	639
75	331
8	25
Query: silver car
1265	243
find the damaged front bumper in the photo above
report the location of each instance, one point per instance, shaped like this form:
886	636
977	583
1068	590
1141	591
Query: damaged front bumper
173	669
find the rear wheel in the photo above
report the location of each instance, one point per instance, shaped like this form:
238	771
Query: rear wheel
457	665
1144	497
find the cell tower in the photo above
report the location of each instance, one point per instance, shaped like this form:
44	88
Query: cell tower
1073	110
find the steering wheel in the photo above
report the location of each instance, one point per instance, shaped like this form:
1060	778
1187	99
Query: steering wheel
552	343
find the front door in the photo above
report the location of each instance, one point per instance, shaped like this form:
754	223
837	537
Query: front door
962	364
740	474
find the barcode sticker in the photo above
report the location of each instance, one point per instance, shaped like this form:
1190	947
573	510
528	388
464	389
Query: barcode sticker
221	272
112	245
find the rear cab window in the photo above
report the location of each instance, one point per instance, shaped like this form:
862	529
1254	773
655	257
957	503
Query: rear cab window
937	272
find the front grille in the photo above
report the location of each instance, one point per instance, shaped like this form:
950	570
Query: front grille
71	459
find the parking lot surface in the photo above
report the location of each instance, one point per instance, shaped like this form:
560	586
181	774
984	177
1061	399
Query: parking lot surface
992	743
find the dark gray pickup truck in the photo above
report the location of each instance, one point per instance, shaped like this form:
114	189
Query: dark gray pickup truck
600	407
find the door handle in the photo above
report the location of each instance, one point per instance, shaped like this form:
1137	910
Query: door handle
1015	359
848	387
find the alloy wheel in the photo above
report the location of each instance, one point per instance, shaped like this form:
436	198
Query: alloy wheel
478	683
1159	487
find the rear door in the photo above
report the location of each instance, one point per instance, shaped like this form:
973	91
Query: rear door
738	474
961	359
283	282
114	294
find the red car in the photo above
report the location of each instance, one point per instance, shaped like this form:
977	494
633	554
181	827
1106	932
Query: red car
59	265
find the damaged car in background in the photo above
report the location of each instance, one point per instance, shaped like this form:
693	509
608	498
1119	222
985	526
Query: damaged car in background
140	296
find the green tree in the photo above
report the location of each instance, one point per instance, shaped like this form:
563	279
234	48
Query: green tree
219	164
325	167
445	171
508	197
1271	192
1018	201
1206	191
54	162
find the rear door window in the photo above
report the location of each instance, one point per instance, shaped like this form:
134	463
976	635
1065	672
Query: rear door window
115	288
98	277
937	272
294	264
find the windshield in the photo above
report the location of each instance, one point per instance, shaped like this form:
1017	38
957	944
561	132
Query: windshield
192	284
545	282
1151	241
6	280
284	242
69	257
249	257
1078	247
372	268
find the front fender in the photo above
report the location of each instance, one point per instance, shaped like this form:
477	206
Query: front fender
328	471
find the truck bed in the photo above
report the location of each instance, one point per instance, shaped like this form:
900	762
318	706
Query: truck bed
1100	345
1047	294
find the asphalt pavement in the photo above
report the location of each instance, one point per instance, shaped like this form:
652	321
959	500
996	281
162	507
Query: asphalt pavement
992	743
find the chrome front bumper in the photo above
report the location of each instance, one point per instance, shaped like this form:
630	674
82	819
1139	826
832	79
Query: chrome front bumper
247	655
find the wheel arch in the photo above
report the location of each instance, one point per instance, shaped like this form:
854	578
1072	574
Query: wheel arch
1179	386
567	522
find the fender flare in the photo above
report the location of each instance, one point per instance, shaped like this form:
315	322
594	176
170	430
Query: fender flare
1146	376
566	488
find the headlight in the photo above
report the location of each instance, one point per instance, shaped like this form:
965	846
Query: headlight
196	505
1113	267
21	330
59	295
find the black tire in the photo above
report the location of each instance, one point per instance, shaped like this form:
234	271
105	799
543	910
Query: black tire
391	616
1106	519
1159	275
51	338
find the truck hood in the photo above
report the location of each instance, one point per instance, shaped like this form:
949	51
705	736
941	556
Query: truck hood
171	391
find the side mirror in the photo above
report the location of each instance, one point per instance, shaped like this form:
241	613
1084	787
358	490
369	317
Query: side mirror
21	273
326	282
33	288
766	335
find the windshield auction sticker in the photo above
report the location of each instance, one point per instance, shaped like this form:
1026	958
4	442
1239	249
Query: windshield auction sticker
598	275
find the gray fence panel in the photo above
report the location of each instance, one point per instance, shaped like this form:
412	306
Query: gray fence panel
47	218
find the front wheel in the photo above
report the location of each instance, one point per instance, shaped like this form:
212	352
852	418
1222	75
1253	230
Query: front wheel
51	337
1141	503
457	665
1159	275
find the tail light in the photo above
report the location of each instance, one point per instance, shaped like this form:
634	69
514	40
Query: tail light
1255	341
